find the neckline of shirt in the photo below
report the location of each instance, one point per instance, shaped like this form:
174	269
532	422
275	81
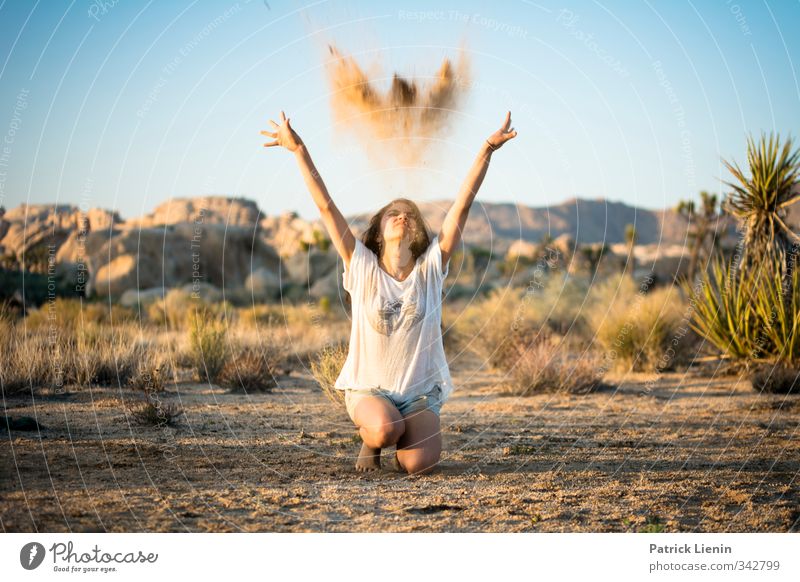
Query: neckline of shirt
412	274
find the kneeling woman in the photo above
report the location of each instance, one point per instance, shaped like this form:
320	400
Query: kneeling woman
396	376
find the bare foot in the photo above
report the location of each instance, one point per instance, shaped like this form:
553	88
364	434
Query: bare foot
369	459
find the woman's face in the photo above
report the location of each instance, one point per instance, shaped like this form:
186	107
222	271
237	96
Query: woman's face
399	222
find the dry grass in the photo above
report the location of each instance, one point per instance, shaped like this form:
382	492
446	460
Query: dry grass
208	349
29	361
776	379
154	412
71	314
544	366
251	367
641	331
490	327
326	368
155	370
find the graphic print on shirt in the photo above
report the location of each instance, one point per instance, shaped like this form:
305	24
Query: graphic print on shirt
389	315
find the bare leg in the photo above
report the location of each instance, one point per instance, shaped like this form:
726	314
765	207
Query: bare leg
420	447
380	425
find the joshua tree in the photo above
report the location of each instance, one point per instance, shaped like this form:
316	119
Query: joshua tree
760	202
593	254
701	226
569	248
630	238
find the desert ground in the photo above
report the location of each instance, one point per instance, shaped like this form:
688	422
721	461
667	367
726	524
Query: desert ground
699	452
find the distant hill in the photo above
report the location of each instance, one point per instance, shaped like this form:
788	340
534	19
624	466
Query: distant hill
498	225
490	224
224	241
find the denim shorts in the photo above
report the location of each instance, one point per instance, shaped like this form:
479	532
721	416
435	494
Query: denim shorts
431	400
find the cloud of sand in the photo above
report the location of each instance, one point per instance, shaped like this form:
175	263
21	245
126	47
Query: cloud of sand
398	123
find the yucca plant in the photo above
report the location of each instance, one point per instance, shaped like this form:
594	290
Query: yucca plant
750	310
743	313
723	310
777	305
760	202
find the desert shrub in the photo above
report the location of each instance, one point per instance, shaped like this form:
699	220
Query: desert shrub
261	315
91	354
155	412
490	327
104	356
326	368
250	368
177	308
451	311
29	361
560	303
173	310
154	371
640	330
103	313
60	312
777	379
286	315
207	341
544	366
70	313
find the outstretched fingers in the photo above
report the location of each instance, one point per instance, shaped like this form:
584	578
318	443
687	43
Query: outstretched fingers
507	122
271	143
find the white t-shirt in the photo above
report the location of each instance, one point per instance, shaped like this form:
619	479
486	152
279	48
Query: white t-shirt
396	336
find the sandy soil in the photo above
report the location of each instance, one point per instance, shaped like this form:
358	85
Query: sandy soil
695	454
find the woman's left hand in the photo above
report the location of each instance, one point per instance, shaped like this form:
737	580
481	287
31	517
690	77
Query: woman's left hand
502	135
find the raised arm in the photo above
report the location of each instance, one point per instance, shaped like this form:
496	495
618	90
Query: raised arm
456	218
341	235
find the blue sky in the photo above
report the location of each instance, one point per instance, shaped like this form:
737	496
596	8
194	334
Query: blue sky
125	104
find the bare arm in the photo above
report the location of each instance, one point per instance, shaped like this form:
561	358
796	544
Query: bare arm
341	235
456	218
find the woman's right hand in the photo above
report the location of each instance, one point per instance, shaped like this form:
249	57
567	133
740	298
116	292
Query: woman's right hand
284	135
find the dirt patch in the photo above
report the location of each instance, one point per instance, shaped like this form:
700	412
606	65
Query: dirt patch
687	454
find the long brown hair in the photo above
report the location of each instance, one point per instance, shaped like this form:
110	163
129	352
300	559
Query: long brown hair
421	241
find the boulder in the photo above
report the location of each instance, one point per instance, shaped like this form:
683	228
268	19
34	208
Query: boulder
173	256
328	286
205	291
28	225
263	283
135	297
307	268
203	210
